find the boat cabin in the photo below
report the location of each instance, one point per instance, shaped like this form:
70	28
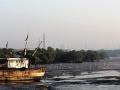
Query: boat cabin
17	63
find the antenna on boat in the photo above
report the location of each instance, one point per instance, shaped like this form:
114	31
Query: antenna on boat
25	50
44	41
7	45
40	42
6	49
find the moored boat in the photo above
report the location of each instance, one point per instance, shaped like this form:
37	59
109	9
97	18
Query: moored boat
18	68
21	75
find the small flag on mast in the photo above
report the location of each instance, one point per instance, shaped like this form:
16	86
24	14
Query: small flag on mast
7	45
26	38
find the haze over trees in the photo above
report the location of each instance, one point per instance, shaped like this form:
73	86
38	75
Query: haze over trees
51	55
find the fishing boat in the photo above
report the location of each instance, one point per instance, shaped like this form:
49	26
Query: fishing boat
18	68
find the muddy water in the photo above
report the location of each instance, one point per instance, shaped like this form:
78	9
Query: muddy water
99	80
88	87
22	86
85	76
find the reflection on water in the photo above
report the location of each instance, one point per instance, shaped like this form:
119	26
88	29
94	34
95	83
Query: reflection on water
22	86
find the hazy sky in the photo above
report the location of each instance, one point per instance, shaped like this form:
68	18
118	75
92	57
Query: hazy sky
69	24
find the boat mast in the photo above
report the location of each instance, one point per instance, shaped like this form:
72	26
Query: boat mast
7	45
44	41
26	40
40	42
6	50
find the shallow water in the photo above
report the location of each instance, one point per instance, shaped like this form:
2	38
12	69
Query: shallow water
61	87
88	87
100	80
85	76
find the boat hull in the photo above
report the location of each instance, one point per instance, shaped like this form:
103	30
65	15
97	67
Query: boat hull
21	75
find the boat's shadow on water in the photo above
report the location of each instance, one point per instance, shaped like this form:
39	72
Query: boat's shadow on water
22	86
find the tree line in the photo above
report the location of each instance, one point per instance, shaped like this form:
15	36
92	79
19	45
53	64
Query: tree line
51	55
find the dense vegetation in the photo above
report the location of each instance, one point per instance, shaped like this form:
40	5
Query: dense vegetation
112	53
51	55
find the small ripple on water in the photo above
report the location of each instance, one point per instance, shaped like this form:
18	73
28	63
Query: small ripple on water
102	80
87	87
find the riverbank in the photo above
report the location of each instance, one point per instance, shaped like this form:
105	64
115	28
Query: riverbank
77	68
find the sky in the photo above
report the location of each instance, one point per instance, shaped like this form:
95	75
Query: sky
67	24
